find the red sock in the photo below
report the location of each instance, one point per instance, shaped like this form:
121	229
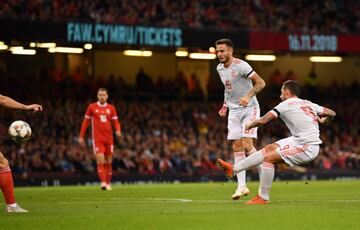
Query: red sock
101	172
108	170
7	185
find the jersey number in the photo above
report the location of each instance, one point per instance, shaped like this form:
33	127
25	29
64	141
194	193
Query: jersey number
308	111
103	118
228	84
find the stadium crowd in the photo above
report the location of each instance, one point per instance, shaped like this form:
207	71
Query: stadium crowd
330	16
173	134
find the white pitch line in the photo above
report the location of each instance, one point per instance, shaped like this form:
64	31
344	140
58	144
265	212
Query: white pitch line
120	200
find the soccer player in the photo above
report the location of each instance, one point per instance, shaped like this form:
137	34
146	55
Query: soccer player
100	114
6	180
241	84
302	118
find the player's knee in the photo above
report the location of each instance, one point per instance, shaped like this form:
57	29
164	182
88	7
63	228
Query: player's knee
3	162
100	159
270	155
248	147
237	146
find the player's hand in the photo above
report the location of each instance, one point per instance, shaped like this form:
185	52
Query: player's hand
324	120
222	111
81	141
34	107
244	101
248	126
118	135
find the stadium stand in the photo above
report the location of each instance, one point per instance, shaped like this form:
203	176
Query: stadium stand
332	16
175	133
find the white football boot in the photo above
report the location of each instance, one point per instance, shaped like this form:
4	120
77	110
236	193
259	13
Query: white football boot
240	192
108	187
17	208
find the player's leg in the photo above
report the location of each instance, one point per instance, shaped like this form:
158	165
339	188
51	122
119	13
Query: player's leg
267	154
235	133
108	165
290	153
7	186
250	114
265	178
248	143
239	155
99	149
267	157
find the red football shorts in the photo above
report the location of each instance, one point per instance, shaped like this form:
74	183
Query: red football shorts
100	147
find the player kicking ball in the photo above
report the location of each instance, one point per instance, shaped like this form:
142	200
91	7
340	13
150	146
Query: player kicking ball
100	114
302	118
6	179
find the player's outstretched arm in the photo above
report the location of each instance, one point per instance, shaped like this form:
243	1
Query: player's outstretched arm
12	104
261	121
326	116
259	84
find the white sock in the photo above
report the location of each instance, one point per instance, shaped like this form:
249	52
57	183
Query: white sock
266	179
13	205
241	176
253	160
258	168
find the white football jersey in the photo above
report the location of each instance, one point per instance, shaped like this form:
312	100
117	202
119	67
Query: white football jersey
237	82
300	116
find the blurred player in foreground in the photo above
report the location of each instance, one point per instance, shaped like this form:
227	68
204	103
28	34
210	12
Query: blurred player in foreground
302	117
241	84
100	114
6	180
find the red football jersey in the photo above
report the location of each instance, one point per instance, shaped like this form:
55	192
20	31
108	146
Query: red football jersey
101	117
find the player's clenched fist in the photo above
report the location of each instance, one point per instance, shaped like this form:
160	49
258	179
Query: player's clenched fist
244	101
81	141
223	111
34	107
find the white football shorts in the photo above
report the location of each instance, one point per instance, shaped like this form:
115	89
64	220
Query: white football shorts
237	120
296	154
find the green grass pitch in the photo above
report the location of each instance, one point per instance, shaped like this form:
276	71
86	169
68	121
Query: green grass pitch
294	205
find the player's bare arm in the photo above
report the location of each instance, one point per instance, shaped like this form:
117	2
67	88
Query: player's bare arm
261	121
259	84
12	104
326	116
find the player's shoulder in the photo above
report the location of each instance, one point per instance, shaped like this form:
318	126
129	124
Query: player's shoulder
92	105
220	67
283	104
238	61
240	64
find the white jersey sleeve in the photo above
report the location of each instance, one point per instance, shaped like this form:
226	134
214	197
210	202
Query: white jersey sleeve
245	70
281	108
317	108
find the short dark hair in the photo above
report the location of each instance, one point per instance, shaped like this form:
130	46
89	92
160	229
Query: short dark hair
292	86
103	89
225	41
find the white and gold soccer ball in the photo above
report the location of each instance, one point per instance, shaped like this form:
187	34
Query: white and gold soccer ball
19	131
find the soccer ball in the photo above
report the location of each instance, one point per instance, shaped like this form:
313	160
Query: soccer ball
19	131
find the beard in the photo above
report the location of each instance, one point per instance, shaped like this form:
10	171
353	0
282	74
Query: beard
224	60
